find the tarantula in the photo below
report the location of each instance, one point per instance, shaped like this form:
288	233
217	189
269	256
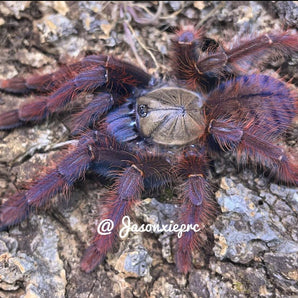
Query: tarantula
146	135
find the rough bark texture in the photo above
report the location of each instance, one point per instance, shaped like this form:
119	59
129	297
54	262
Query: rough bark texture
254	251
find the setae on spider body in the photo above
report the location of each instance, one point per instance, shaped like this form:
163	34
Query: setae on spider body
127	130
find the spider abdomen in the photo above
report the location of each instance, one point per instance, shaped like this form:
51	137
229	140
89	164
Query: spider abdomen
257	102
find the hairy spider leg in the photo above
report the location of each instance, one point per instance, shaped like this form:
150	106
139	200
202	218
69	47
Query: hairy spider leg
145	171
108	74
102	154
255	147
198	207
50	82
100	104
200	70
185	53
248	115
128	189
92	149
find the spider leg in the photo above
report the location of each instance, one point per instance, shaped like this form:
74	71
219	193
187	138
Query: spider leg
102	154
129	187
59	179
100	104
49	82
269	155
200	70
109	73
144	171
94	150
198	208
248	143
248	51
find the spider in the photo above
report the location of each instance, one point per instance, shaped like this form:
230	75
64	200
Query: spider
146	134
